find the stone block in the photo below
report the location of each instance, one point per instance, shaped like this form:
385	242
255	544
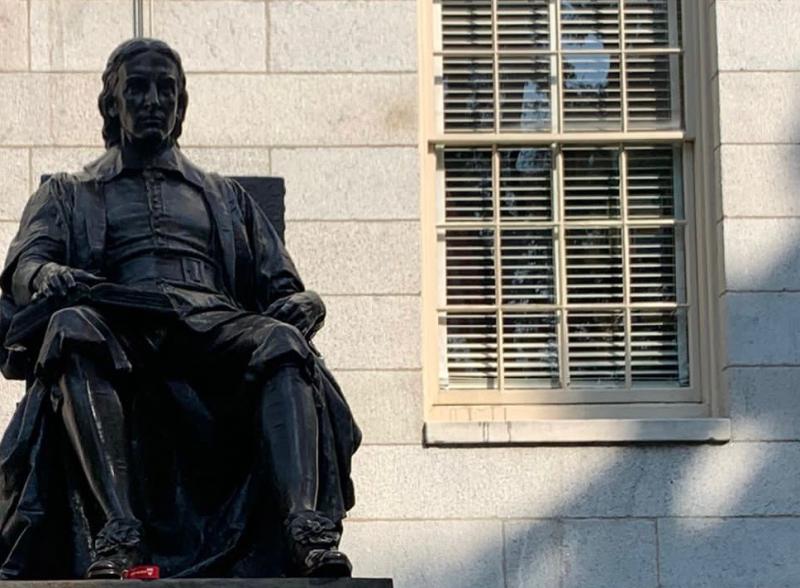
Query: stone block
214	35
765	403
13	35
11	391
350	109
371	332
743	115
75	35
757	35
349	183
737	479
772	264
356	257
231	161
386	405
735	553
50	160
14	189
760	180
228	110
428	554
577	553
348	35
763	328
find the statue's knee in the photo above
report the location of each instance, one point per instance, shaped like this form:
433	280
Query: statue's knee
72	319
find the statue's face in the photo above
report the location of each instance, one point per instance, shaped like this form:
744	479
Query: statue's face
147	98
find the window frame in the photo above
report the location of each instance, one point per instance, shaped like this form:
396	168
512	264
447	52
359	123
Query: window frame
703	265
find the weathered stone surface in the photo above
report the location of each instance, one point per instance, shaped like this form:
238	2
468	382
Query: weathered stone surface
349	183
774	264
735	553
753	315
354	109
356	257
760	180
386	405
229	110
406	482
757	35
743	118
231	161
10	393
75	35
348	35
214	35
14	190
765	403
371	332
428	554
13	35
569	553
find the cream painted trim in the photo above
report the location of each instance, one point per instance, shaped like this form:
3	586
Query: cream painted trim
583	431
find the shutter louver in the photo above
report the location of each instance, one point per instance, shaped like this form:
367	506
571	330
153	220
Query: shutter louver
468	94
658	348
471	350
468	184
592	94
594	266
467	24
523	24
589	24
596	347
647	23
527	266
651	102
652	182
470	266
591	183
530	350
653	264
526	184
525	93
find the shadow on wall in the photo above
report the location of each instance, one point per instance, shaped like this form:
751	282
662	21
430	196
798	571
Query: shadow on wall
659	516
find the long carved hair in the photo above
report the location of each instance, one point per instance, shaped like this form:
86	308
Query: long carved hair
127	50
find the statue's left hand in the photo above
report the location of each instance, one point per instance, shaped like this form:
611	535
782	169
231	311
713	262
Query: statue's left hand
304	310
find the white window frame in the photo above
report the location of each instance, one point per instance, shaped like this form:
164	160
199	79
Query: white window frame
539	416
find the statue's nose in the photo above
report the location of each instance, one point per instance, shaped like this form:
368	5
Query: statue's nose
152	95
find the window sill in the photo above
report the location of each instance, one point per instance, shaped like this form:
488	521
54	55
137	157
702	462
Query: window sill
578	431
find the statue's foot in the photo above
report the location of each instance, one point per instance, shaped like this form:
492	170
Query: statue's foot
313	541
120	553
117	564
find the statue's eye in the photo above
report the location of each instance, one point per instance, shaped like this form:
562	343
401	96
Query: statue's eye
136	85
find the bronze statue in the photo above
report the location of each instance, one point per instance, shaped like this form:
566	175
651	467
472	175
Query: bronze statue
176	412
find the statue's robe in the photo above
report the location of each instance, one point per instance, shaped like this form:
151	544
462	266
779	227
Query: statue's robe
193	449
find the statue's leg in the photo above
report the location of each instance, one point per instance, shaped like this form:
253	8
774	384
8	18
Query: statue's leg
288	423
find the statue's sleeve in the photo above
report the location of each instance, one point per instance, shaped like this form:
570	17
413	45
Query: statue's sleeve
274	274
41	238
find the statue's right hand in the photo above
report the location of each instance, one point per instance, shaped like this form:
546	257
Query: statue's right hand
54	279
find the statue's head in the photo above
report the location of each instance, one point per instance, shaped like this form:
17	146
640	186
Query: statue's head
144	93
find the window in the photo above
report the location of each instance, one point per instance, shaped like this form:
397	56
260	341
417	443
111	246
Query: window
562	217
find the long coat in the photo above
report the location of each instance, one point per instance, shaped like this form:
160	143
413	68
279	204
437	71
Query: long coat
204	511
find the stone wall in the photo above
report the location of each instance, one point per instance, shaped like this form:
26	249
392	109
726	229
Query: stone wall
324	93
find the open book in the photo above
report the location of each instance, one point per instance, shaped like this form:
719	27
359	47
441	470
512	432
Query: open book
32	319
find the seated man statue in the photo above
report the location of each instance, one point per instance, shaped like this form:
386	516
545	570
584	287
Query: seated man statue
184	420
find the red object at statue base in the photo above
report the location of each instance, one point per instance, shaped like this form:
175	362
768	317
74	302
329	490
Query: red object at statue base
142	573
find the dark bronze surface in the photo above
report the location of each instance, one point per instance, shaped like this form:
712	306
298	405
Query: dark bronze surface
177	412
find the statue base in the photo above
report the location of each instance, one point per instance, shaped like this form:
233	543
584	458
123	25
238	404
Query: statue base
210	583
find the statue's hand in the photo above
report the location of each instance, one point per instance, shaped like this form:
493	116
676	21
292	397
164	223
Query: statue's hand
54	279
304	310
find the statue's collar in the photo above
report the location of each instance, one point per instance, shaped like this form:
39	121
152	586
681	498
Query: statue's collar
111	164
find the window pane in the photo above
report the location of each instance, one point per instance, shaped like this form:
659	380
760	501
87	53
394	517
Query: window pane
468	94
596	347
656	265
471	350
589	24
527	266
466	24
525	93
659	348
654	184
530	350
591	183
523	24
526	183
467	184
647	23
654	91
594	266
591	92
469	263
